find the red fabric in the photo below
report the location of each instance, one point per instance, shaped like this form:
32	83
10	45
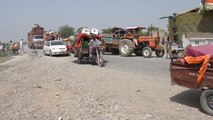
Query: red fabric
99	38
68	47
199	54
78	41
197	60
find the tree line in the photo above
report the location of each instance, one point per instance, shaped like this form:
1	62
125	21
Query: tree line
67	31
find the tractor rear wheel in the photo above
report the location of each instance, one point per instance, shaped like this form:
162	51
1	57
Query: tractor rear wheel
147	52
159	53
125	47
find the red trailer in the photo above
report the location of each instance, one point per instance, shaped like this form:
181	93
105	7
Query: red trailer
195	71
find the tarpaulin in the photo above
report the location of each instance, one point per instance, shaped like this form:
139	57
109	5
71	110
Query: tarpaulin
197	60
196	51
78	42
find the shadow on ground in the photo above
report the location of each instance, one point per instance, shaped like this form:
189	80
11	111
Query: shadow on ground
58	56
189	98
86	62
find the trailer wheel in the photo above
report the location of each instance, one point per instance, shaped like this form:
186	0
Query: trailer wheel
159	53
147	52
206	101
125	48
79	57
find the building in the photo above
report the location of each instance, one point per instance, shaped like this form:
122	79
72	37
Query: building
192	28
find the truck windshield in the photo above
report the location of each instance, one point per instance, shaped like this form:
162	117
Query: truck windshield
38	37
57	43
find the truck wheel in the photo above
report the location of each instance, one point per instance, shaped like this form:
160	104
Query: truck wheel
159	53
125	48
206	101
147	52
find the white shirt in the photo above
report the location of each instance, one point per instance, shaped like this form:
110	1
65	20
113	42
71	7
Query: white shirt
21	43
94	42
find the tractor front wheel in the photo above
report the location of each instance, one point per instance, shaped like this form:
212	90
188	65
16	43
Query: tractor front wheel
159	53
147	52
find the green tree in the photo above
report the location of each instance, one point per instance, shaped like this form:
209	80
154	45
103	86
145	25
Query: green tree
107	31
151	28
66	31
165	33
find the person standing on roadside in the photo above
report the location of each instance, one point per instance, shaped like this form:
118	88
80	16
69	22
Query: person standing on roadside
1	46
10	45
21	45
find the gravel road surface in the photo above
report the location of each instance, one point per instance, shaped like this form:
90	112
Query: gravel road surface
38	87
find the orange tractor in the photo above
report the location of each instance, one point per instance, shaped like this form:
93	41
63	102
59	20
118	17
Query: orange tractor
126	41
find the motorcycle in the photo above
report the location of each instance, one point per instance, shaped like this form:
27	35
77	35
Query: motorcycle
96	55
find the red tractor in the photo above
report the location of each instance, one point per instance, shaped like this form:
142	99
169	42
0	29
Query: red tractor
126	41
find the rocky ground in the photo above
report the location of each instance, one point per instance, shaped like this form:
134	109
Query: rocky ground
36	87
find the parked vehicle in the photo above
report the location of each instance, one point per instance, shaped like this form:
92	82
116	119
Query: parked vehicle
55	47
127	41
35	37
195	71
174	50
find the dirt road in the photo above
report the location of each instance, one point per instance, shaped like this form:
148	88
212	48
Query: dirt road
40	87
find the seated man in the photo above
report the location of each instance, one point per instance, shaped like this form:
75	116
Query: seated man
93	43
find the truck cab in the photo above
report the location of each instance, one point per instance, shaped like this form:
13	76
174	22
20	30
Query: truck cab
35	37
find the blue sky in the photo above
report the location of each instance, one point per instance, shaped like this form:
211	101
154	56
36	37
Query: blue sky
19	16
